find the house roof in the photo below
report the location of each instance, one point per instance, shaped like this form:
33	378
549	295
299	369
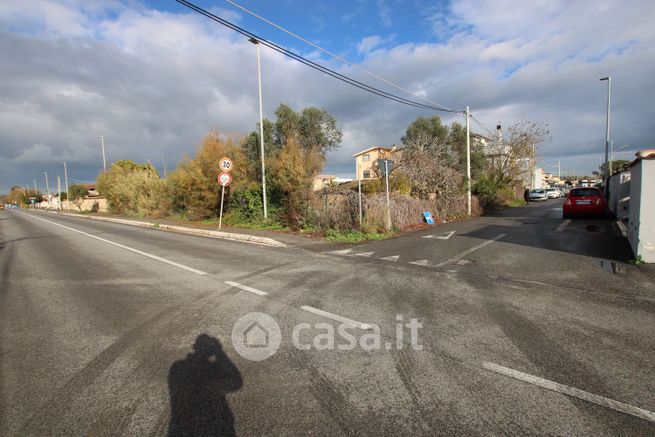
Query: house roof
388	149
643	154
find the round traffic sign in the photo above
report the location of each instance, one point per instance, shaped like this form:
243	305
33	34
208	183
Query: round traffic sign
225	164
224	179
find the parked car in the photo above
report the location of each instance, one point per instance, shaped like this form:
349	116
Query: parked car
552	193
538	194
584	201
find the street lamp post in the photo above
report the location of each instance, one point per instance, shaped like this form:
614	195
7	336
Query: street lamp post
36	191
608	164
68	204
47	186
261	123
104	160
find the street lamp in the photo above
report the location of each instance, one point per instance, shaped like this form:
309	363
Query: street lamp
68	204
104	161
47	186
617	149
608	164
261	123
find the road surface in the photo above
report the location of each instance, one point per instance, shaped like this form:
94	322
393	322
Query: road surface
525	326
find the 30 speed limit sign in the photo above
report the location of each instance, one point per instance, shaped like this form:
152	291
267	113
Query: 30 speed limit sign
224	179
225	164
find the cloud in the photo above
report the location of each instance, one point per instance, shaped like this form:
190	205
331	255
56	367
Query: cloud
384	12
153	82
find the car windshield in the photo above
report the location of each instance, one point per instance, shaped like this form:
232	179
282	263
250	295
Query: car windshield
550	189
585	192
537	191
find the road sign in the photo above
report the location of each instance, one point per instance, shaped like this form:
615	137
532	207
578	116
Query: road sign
225	164
385	165
224	179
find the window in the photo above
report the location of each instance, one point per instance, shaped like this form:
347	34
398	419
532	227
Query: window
366	157
367	173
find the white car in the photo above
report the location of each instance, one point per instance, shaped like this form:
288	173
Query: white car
538	194
552	193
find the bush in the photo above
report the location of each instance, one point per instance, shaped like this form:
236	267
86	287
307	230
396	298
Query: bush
133	189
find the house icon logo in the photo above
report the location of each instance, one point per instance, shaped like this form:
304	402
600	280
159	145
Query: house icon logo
256	336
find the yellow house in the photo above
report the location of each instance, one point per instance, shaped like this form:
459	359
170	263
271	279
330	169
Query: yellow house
321	181
365	161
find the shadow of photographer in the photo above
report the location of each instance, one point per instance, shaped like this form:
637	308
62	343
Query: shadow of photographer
197	387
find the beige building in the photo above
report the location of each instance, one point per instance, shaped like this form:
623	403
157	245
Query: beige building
321	181
366	160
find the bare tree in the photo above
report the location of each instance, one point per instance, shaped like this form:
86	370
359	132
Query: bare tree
427	163
512	158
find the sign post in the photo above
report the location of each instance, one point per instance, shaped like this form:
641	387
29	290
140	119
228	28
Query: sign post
388	165
224	179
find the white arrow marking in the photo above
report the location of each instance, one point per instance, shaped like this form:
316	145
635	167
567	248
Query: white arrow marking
391	258
366	254
421	262
444	236
341	252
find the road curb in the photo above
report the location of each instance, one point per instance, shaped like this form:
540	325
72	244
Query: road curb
265	241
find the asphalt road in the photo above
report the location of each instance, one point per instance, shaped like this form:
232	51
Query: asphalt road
529	325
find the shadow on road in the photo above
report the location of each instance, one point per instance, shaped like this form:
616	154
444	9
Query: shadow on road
197	388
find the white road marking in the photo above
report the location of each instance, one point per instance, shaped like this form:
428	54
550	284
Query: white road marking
471	250
246	288
341	252
570	391
345	320
421	262
444	236
122	246
391	258
563	225
365	254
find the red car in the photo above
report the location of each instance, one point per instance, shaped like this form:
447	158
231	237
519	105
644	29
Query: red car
584	201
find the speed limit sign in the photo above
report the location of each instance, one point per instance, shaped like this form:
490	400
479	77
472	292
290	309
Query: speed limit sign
225	164
224	179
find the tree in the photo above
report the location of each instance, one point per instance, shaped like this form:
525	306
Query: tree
312	128
512	158
427	163
617	164
132	188
77	195
194	186
293	172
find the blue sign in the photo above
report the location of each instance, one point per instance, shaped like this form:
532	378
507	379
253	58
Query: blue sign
428	218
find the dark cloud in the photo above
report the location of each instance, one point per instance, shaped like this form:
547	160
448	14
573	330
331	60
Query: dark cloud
154	82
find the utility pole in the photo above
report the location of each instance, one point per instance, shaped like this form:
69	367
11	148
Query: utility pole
47	186
36	190
165	168
104	160
68	204
608	164
59	190
261	123
468	161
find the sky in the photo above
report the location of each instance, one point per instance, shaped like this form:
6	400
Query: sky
153	77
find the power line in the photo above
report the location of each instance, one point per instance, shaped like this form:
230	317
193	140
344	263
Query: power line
334	55
481	125
310	63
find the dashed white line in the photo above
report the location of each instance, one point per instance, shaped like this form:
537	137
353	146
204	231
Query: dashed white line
563	225
337	318
122	246
393	258
246	288
570	391
471	250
